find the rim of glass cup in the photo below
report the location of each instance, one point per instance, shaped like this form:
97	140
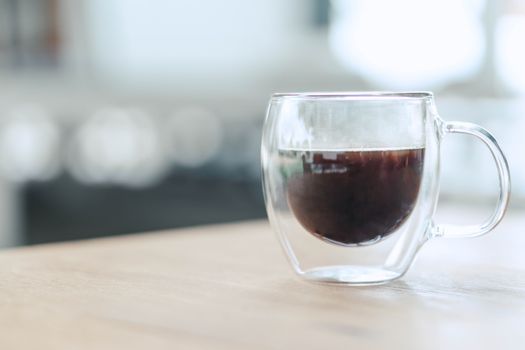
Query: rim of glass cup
355	95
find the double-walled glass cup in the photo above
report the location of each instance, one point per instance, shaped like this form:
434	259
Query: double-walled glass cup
351	181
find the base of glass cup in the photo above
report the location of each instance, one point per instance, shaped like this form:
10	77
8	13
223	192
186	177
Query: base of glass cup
350	275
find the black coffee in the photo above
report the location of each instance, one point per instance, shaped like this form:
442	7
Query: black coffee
354	197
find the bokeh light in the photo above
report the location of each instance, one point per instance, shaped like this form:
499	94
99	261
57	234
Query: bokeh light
193	136
510	51
117	146
29	144
408	44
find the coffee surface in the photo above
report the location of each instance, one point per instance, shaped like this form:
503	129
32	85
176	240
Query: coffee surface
353	197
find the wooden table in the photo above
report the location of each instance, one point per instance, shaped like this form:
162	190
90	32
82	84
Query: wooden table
229	287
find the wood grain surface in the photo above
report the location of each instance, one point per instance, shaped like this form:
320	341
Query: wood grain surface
230	287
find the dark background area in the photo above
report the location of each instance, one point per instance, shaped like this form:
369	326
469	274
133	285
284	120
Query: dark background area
63	209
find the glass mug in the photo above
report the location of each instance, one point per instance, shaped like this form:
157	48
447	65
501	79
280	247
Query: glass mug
351	181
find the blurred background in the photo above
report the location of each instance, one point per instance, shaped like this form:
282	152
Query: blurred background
119	116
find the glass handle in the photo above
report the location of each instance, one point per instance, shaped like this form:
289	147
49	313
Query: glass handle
503	176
